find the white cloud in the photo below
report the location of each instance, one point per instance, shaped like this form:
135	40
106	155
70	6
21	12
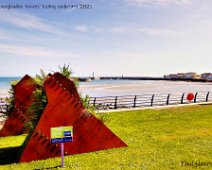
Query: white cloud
16	36
4	35
131	55
119	29
27	21
32	51
97	30
160	32
154	32
81	28
160	2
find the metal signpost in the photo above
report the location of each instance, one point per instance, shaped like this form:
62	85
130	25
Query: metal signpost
60	135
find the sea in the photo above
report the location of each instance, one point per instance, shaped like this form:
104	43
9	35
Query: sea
100	88
5	84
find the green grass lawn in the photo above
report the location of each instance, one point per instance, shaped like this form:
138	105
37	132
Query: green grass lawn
157	139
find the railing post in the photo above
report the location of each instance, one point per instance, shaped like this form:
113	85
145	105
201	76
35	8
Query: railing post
182	98
89	101
1	105
94	102
135	101
167	101
152	99
115	104
207	96
195	97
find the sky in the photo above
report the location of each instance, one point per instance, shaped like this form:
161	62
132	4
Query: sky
109	38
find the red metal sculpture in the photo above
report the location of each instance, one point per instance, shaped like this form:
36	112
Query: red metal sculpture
23	98
64	108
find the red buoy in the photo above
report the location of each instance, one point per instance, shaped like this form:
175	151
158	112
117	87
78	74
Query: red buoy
190	96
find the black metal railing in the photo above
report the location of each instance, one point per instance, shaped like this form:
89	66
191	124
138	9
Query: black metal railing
3	109
134	101
3	106
147	100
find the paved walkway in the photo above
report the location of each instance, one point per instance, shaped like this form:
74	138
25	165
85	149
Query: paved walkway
153	107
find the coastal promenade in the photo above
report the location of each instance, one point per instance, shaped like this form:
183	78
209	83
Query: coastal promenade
149	100
135	102
141	78
139	101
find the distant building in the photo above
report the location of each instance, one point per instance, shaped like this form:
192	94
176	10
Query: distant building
191	75
205	75
209	77
166	76
180	75
173	76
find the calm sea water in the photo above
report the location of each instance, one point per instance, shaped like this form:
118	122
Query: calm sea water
5	85
124	87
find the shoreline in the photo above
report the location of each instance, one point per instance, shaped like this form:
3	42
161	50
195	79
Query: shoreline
133	86
154	78
4	94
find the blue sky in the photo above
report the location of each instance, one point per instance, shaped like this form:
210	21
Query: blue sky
116	37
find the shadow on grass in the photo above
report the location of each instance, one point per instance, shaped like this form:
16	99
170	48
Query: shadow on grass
55	167
9	155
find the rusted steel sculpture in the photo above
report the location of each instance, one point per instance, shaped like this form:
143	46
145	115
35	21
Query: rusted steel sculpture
64	108
23	97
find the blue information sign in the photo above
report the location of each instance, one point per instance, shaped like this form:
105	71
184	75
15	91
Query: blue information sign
61	134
